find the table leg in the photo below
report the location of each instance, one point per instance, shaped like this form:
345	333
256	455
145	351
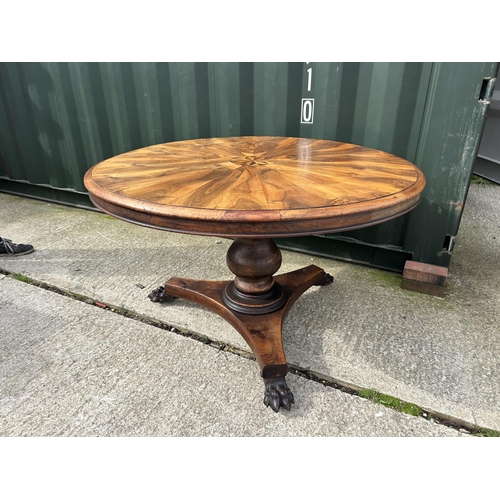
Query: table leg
255	304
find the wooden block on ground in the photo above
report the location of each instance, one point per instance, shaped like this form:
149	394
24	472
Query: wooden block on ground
425	278
418	286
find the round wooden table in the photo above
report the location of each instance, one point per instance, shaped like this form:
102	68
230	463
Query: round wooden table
253	189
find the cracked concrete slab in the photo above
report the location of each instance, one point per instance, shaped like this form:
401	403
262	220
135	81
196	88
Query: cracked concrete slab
71	369
363	330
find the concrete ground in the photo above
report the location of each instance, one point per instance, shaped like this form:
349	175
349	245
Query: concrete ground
69	368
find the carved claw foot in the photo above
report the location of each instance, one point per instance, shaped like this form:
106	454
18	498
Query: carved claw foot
277	394
326	280
159	295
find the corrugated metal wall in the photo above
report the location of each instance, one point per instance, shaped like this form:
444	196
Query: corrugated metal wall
379	105
59	119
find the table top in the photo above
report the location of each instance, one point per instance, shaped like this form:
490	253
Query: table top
255	186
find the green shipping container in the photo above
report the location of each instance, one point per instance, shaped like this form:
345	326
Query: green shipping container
59	119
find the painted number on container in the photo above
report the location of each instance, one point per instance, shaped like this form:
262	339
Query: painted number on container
307	109
307	114
309	79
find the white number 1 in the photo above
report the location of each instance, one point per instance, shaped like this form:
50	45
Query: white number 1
309	79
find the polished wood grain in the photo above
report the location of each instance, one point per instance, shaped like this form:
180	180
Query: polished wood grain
254	189
255	186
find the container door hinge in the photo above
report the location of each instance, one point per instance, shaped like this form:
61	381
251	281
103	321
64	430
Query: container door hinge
487	90
448	243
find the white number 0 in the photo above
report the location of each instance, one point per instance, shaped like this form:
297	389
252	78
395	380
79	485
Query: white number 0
307	111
